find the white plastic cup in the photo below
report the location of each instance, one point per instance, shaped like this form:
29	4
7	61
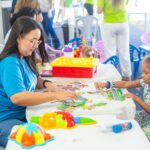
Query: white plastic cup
68	51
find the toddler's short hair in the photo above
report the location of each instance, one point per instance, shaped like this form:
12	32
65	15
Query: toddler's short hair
146	59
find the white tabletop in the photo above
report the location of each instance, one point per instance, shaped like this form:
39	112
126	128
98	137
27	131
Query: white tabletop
122	109
105	72
93	137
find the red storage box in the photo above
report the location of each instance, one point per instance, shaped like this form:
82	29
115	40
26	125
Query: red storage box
74	72
74	67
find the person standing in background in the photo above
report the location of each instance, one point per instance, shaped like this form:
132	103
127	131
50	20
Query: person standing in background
115	32
63	6
30	3
13	7
89	6
48	15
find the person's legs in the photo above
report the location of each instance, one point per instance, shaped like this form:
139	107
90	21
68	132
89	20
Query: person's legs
5	130
45	24
123	49
109	39
89	8
53	34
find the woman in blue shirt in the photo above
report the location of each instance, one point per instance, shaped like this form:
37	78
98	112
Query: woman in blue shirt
19	77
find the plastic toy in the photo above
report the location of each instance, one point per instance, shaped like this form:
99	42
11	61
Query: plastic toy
29	135
121	127
69	103
44	70
117	128
115	94
68	51
60	119
74	67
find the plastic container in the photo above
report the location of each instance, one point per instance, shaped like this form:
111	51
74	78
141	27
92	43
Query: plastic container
68	51
74	67
121	127
73	72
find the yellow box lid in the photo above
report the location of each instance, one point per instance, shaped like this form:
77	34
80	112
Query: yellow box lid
75	62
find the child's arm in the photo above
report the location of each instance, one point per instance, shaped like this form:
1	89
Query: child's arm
118	84
145	106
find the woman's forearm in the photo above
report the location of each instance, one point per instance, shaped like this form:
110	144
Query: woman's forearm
30	99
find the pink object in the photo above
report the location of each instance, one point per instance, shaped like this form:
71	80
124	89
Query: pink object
54	52
99	46
46	73
145	38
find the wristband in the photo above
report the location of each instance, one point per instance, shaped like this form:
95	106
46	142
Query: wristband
108	84
45	82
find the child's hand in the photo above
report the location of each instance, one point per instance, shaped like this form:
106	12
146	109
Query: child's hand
100	85
131	95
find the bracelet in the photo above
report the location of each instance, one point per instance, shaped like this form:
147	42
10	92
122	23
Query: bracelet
45	82
108	84
142	82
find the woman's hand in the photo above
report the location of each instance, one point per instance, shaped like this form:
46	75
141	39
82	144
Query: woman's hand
61	96
51	87
100	85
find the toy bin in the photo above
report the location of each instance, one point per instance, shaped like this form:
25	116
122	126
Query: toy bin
74	67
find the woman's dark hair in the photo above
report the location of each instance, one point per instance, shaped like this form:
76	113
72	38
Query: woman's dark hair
25	11
21	27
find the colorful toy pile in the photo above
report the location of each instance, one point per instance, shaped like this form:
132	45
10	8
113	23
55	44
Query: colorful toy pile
77	45
29	135
60	119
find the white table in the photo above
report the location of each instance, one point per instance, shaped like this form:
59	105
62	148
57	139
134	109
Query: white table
105	72
93	138
122	109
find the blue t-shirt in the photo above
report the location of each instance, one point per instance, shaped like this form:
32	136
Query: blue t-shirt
15	76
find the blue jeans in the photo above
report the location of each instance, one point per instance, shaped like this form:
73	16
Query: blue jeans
89	8
13	6
5	130
48	27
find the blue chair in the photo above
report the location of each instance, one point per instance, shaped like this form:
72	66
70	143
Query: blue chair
77	40
135	57
114	60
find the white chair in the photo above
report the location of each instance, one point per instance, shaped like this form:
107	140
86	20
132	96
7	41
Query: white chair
87	26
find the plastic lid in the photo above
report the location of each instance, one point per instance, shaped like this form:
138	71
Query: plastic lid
116	128
68	49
